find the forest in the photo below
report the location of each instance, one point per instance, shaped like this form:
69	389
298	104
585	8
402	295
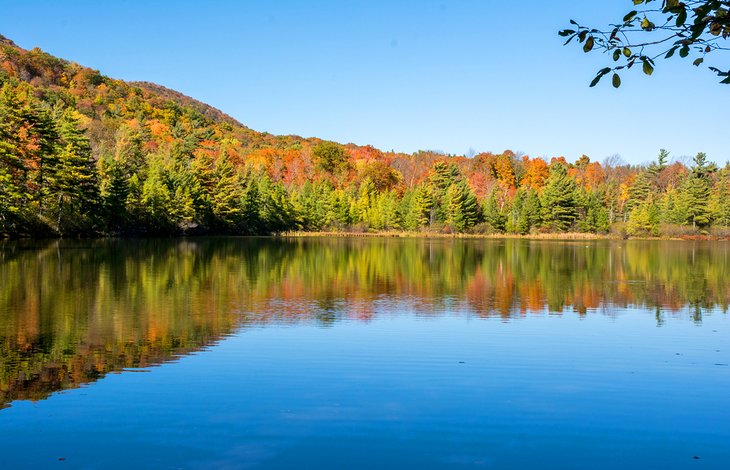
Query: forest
82	154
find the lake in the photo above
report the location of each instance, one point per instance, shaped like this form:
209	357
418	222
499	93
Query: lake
364	353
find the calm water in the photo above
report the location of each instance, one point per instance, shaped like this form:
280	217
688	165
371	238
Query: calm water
364	353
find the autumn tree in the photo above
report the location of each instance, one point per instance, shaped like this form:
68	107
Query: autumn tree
330	158
536	171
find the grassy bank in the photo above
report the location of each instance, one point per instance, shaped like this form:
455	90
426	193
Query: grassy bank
407	234
536	236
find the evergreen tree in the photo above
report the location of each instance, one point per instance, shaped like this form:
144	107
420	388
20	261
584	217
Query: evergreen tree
249	220
531	215
671	207
462	210
657	167
492	212
383	213
593	214
720	198
405	210
343	208
442	176
702	168
558	199
155	197
514	217
73	184
423	205
225	194
12	171
275	213
639	191
695	192
365	201
114	190
644	219
40	154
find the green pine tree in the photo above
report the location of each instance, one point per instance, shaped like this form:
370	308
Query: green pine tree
639	191
73	180
720	198
558	199
492	212
462	209
422	207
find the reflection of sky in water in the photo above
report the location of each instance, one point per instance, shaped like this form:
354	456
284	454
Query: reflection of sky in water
549	391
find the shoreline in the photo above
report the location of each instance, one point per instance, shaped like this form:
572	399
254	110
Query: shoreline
407	234
567	236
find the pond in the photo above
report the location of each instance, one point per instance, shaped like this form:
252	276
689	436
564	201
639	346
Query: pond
364	353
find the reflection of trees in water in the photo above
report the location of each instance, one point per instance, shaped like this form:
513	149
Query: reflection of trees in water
71	311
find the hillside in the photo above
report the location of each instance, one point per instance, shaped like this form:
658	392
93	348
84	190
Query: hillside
83	153
215	115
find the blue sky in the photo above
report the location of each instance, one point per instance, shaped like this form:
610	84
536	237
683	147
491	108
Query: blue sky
449	75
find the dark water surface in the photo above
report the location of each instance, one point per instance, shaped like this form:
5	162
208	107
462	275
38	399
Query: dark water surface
364	353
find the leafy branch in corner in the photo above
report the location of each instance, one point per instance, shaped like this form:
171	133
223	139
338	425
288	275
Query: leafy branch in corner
692	29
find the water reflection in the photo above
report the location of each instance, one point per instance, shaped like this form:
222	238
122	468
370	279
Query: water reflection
72	311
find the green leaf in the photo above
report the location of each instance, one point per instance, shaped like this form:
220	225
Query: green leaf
684	51
646	24
616	80
616	55
726	81
681	18
600	75
627	52
698	61
670	52
647	67
589	44
629	16
638	2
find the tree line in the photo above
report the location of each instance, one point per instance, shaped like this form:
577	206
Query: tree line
83	154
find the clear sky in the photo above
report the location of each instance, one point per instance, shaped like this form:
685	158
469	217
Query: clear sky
449	75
